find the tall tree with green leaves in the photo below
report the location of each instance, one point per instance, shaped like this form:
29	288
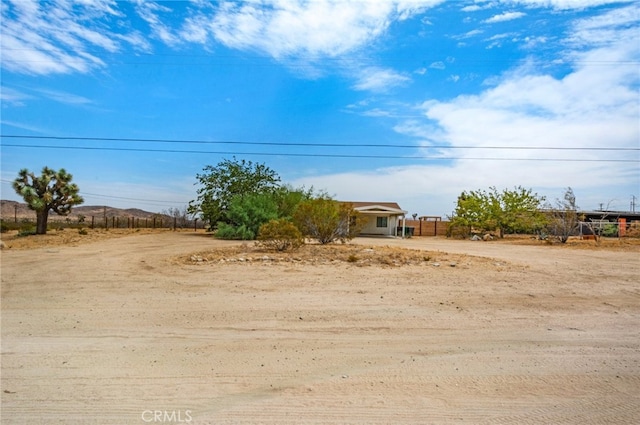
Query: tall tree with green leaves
226	180
51	191
509	211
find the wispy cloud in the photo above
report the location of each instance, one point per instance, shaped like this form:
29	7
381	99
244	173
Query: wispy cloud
378	79
64	97
13	97
60	37
503	17
567	4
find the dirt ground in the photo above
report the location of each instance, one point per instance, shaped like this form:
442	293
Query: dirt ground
177	327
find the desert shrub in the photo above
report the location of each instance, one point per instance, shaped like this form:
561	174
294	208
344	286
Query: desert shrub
352	258
328	220
610	230
280	235
83	231
5	227
27	232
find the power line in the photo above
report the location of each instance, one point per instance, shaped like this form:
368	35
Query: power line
353	156
345	145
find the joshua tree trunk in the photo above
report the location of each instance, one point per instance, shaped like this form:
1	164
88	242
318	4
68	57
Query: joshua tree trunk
41	221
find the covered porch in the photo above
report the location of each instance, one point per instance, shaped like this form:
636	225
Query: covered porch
382	218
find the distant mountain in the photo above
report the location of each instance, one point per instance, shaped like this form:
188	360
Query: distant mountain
19	210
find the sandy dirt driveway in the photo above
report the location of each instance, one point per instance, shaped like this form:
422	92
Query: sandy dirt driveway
122	331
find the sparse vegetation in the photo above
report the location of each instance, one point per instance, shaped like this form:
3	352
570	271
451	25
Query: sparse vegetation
563	217
327	220
280	235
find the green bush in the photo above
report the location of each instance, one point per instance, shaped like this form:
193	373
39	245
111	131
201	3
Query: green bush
245	216
27	232
230	232
280	235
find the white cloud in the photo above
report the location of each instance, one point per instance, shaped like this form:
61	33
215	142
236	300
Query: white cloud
150	12
595	105
44	38
503	17
64	97
567	4
12	96
318	28
377	79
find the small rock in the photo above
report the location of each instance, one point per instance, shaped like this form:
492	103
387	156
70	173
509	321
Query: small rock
436	264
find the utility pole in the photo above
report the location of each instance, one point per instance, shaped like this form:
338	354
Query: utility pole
633	203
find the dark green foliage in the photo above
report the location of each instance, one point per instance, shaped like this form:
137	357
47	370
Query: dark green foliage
52	191
280	235
246	214
220	184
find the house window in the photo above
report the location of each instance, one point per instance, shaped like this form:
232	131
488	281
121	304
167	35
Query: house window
381	222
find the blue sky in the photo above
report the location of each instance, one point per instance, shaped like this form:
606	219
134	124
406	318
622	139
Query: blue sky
370	100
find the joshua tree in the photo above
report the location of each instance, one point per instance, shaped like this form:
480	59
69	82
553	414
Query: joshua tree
52	191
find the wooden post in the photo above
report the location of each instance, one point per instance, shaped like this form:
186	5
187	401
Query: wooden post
195	225
154	222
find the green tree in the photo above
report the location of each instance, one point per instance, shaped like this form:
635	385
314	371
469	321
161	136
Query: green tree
246	214
228	179
51	191
327	220
509	211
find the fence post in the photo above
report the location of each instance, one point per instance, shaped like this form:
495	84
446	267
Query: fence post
195	225
93	222
175	219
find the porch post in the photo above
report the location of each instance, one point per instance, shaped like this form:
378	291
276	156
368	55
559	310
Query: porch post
404	222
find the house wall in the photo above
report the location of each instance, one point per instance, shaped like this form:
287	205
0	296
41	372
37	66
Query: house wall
370	227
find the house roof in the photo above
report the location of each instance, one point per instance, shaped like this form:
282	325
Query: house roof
378	207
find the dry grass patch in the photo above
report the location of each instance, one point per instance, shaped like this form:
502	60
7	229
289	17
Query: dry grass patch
356	255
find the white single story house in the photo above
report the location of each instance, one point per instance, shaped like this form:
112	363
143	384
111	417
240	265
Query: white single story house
381	218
